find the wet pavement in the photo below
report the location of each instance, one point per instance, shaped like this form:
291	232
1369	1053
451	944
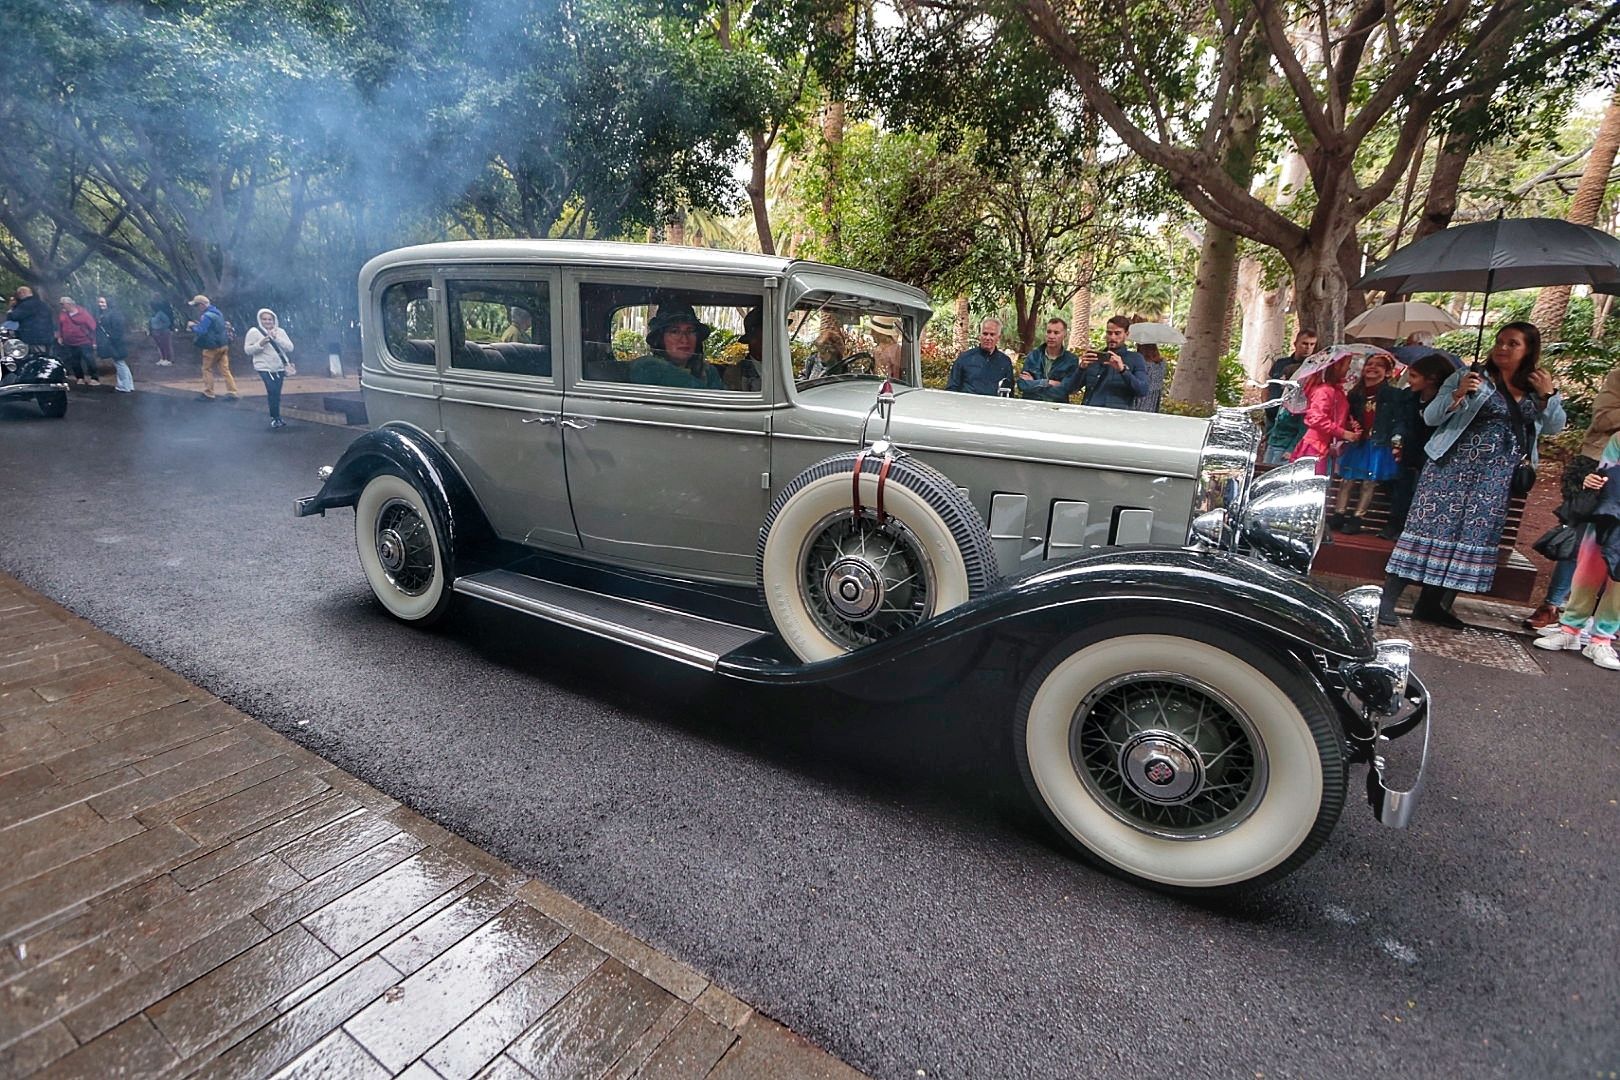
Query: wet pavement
184	892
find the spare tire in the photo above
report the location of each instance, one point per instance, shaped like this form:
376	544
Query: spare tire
835	578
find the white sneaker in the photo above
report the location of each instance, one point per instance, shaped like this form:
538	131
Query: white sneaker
165	363
1555	642
1550	629
1601	653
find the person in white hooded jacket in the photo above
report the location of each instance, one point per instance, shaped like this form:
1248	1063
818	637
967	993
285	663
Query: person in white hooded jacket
270	350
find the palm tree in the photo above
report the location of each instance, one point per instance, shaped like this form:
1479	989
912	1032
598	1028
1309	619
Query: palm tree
1553	303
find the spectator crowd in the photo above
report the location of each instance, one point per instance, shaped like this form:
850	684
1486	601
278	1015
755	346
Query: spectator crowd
79	339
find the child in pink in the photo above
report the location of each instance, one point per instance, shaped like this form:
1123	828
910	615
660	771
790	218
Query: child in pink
1596	592
1327	415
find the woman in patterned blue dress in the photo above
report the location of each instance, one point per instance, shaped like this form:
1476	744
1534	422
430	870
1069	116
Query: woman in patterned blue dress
1455	524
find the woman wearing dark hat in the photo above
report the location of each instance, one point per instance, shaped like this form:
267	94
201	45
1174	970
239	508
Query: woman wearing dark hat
676	337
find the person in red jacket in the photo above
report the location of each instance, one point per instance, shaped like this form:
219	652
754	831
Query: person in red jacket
1327	415
76	334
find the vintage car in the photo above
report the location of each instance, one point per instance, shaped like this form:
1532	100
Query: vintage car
30	374
728	461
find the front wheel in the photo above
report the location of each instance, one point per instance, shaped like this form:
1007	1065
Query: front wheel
401	551
1185	758
53	405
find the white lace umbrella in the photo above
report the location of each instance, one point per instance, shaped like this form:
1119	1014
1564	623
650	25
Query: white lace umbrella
1155	333
1293	398
1398	320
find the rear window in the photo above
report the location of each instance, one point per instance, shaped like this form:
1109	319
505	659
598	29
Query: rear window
408	322
501	327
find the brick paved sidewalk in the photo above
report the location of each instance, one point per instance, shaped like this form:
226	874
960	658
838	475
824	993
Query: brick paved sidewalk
185	892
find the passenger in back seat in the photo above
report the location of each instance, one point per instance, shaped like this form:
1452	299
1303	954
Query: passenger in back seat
521	328
676	338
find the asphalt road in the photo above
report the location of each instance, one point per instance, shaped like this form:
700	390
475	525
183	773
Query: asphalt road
877	886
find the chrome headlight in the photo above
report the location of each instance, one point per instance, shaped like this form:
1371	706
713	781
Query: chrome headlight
1225	472
14	349
1283	520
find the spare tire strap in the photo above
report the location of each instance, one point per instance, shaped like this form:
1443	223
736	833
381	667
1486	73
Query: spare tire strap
883	476
860	460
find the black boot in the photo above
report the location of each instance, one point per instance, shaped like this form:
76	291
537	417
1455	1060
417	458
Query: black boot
1393	587
1431	607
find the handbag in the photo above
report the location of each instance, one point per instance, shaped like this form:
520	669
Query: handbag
1524	473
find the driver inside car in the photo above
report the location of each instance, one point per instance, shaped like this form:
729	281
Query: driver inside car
676	337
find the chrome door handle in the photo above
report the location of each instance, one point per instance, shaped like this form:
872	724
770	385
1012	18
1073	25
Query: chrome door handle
575	423
548	421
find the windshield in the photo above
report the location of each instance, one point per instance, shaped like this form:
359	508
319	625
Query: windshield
839	337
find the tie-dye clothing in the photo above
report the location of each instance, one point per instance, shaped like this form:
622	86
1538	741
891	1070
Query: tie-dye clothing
1594	596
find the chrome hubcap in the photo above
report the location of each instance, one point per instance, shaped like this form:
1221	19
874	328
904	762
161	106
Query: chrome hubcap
1161	768
390	550
855	588
863	581
404	547
1168	755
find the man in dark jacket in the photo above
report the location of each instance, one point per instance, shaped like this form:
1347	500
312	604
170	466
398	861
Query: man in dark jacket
1113	377
1049	369
1282	367
983	369
35	326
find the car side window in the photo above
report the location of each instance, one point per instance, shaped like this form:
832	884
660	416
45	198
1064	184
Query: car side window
408	322
687	339
501	326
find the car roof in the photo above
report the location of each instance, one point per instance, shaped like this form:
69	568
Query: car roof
609	253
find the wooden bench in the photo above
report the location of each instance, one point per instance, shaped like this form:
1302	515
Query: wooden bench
1364	554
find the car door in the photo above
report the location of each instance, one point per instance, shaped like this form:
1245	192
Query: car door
502	400
670	478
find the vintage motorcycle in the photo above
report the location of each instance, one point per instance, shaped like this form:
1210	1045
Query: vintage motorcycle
29	371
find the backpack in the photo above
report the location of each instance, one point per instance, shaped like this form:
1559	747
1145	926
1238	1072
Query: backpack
217	336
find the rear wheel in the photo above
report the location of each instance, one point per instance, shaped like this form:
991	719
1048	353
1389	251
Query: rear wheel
54	405
404	558
1184	757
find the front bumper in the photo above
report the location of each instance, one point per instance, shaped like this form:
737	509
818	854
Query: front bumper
1391	805
31	389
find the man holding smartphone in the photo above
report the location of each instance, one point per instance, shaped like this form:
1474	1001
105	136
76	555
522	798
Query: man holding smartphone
1113	377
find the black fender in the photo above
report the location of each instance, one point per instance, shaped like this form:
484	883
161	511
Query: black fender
42	369
37	374
412	454
1011	628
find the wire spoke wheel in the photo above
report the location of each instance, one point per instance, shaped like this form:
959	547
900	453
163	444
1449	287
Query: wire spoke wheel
401	551
1181	754
1168	755
404	547
864	581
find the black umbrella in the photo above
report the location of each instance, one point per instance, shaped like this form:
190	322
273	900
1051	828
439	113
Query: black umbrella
1507	253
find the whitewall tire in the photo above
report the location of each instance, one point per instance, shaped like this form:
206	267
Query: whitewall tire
401	550
1180	754
834	580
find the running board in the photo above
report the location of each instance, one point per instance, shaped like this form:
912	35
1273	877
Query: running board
674	635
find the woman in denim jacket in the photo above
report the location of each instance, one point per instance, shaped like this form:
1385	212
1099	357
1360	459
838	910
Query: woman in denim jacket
1455	524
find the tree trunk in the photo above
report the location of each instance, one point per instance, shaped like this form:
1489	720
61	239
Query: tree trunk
1025	314
1209	318
832	136
964	324
756	195
1080	305
1265	330
1553	303
1194	379
1320	291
